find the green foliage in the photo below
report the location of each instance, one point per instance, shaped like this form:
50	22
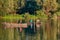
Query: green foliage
4	12
12	17
58	13
42	15
26	17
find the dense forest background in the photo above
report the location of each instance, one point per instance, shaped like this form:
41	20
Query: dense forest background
8	14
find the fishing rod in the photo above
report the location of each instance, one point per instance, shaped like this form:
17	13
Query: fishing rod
20	29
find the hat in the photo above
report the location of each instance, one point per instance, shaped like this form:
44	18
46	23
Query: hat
31	21
38	20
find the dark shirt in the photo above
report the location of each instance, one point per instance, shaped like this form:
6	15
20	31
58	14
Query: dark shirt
30	30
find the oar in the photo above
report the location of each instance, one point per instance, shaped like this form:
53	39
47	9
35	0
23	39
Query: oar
31	25
27	36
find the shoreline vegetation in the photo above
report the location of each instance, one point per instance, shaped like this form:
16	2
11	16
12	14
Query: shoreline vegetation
49	15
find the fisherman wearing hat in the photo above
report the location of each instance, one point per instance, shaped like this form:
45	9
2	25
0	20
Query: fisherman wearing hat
30	30
39	28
